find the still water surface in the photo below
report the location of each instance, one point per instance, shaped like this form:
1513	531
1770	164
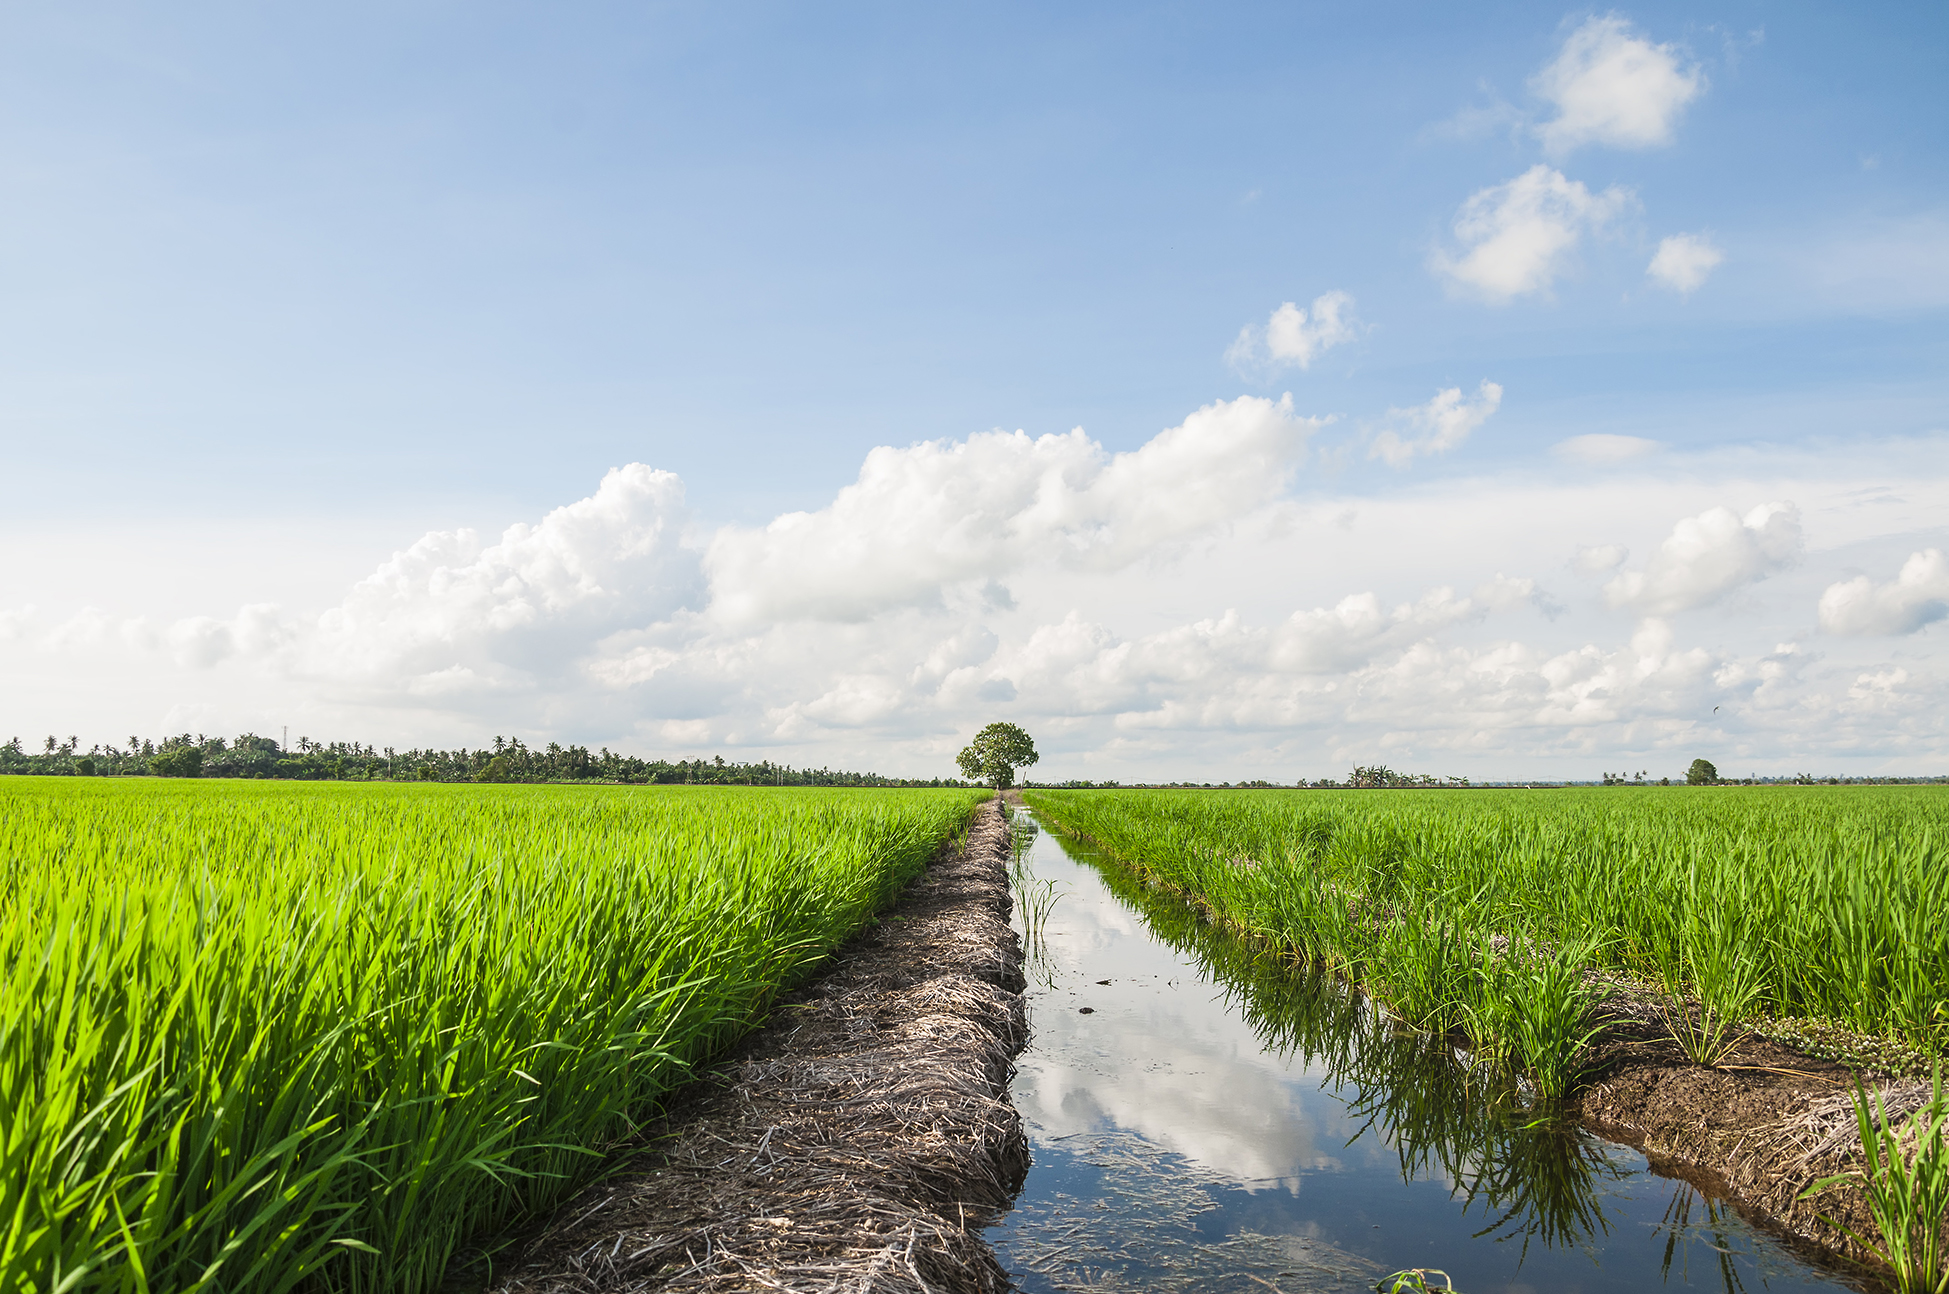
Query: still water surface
1205	1121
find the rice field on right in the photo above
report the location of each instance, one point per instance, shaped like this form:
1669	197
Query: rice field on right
1482	911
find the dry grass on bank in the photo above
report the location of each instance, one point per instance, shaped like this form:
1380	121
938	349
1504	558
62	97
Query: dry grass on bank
856	1143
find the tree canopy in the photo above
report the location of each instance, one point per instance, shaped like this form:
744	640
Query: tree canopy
509	759
1701	773
995	753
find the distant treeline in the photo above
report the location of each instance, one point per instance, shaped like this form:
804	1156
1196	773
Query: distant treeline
1381	777
508	760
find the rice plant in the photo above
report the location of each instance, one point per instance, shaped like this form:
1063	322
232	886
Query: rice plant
1817	902
1907	1190
262	1037
1707	992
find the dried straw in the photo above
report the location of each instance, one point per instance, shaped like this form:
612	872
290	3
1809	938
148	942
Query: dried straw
856	1144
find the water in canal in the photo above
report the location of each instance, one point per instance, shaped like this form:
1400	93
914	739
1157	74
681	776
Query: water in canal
1200	1120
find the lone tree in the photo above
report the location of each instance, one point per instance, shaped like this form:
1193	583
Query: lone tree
994	755
1701	773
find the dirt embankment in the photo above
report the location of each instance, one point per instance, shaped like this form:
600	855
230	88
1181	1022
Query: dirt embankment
857	1142
1759	1129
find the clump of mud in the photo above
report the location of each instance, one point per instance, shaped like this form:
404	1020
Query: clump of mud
858	1142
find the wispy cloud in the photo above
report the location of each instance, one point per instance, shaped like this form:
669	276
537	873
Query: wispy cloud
1604	449
1516	239
1436	427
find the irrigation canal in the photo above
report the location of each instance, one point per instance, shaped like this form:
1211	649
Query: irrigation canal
1202	1121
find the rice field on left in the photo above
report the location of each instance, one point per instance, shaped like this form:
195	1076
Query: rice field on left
296	1036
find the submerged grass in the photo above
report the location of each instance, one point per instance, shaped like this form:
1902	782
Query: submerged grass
273	1037
1482	910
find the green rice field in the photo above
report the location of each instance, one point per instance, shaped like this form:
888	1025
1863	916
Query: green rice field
258	1037
1481	910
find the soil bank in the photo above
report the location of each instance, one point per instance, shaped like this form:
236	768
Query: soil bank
1759	1129
858	1141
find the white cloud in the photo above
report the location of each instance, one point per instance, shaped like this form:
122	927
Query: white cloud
1882	689
1315	632
198	642
1435	427
1708	556
1602	449
1612	86
1917	596
451	614
15	621
1518	238
1292	338
1392	673
1599	559
1683	261
945	513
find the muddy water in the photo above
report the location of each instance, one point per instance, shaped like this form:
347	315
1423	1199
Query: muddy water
1204	1121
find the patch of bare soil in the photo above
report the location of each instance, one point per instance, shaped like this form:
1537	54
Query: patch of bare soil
1759	1129
857	1142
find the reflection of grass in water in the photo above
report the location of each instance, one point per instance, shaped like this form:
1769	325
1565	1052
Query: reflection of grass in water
1445	1118
1035	899
1678	1221
1141	1232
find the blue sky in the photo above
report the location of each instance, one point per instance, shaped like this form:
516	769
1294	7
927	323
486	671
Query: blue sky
283	289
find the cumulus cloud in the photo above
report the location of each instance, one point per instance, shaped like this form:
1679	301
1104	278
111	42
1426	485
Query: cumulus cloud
1602	449
1518	238
1392	671
1709	556
1435	427
452	614
944	512
1227	662
1683	261
1612	86
1917	596
977	590
1292	337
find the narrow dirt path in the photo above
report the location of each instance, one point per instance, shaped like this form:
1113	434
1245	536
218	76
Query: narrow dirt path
857	1142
